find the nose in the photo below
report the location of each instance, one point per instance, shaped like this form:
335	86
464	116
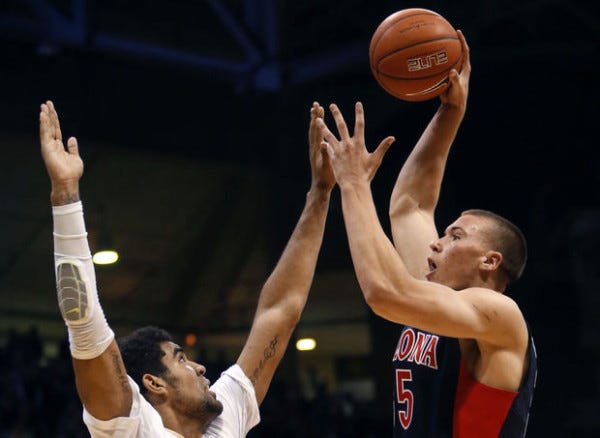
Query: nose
200	369
435	246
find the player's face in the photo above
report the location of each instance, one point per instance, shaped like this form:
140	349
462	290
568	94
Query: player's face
457	255
188	388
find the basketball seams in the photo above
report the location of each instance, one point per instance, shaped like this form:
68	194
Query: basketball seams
382	31
441	84
389	90
418	43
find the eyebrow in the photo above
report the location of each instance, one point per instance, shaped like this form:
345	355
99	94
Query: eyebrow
455	228
176	350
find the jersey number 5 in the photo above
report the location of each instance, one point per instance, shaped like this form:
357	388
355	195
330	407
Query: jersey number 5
404	396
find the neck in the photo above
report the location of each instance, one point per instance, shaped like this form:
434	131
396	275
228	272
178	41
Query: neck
182	425
482	281
490	282
176	434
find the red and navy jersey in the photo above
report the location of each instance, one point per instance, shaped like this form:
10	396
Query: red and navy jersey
483	411
517	419
426	368
434	395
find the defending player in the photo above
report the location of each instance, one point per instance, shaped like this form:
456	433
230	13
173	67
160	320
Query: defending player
166	394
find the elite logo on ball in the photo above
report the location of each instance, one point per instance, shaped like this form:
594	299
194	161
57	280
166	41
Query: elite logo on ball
427	61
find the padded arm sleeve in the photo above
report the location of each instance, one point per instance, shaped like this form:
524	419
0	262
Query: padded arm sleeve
89	333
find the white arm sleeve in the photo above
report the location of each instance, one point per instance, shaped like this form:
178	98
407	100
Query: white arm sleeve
89	333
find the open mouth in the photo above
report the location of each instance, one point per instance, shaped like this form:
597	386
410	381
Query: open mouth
432	265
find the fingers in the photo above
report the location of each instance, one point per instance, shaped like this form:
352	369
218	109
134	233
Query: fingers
340	123
45	131
50	133
72	146
54	123
466	60
327	150
49	125
378	154
325	132
314	133
453	78
314	112
359	122
383	148
317	110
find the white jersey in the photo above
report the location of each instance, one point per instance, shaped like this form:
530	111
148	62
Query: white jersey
233	389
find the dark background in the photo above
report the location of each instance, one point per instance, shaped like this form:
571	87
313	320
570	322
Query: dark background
138	79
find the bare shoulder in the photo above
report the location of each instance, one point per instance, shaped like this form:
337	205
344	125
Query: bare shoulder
492	297
504	320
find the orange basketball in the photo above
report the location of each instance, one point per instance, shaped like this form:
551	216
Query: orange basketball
411	53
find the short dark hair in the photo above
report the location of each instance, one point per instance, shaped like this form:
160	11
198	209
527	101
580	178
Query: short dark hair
509	240
142	354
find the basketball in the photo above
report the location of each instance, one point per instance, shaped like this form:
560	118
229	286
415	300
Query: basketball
411	53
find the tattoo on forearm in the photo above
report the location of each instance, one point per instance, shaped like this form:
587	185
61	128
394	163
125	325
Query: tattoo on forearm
65	198
120	373
268	353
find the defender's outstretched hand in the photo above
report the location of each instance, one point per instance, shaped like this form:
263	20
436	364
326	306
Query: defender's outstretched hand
351	161
64	167
321	170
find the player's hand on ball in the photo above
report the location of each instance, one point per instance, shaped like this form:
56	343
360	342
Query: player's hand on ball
457	92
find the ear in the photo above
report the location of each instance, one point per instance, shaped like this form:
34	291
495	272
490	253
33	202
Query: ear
153	384
491	261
